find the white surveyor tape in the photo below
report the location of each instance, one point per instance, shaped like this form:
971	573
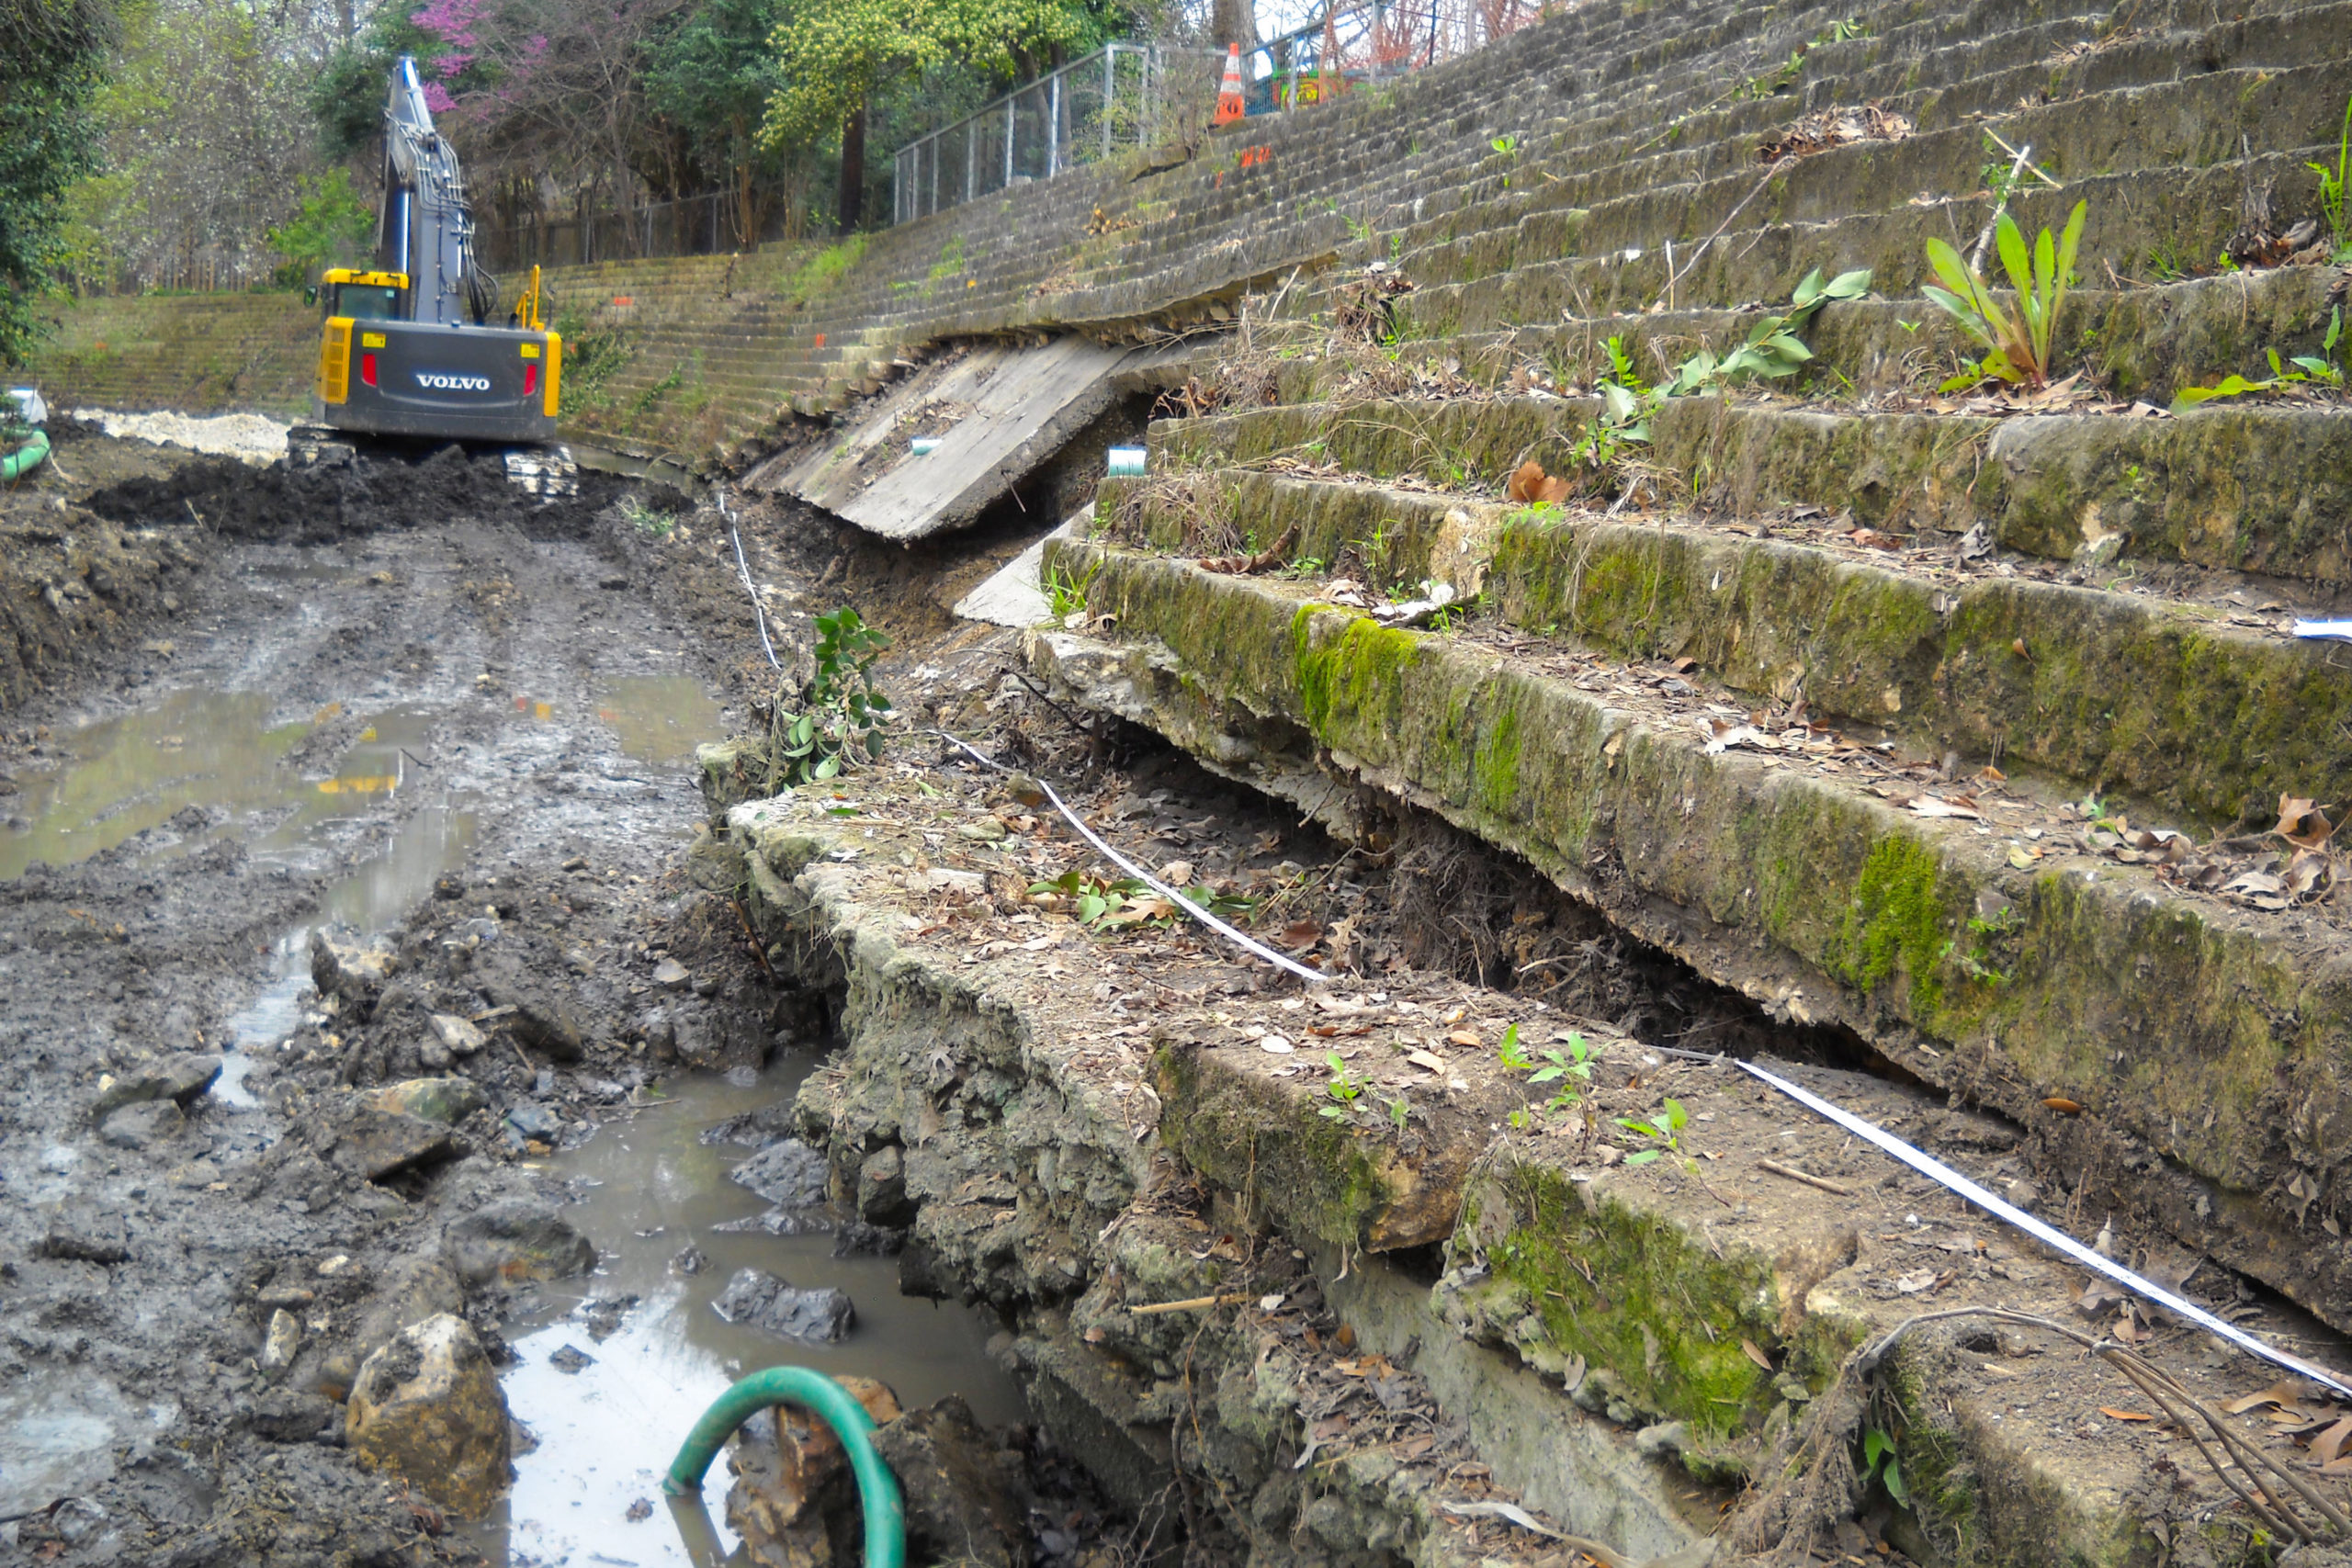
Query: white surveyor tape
2075	1249
1126	462
1132	869
923	445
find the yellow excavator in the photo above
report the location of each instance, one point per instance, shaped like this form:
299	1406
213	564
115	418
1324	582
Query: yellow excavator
409	347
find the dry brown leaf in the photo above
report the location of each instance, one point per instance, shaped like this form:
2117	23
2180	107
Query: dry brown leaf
1930	806
2281	1393
1524	482
2302	823
2063	1106
1302	935
2328	1447
1425	1059
2112	1414
1748	1348
1463	1037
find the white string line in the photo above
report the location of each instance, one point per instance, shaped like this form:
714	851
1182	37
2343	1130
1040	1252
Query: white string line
1169	894
2137	1284
743	571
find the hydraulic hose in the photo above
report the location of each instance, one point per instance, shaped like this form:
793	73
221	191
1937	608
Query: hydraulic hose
25	458
878	1489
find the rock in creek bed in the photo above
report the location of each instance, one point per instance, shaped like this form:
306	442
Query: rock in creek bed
790	1175
757	1298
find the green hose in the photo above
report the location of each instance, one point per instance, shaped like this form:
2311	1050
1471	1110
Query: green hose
886	1512
25	458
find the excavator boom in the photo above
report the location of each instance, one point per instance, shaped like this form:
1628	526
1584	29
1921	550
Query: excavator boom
408	347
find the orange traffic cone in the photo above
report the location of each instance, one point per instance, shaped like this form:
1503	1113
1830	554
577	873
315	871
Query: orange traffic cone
1230	107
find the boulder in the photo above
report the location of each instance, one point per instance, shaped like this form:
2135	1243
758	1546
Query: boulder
793	1483
446	1100
790	1175
966	1498
419	1286
137	1125
757	1298
539	1021
374	1145
458	1037
516	1239
428	1408
287	1415
179	1078
347	969
882	1188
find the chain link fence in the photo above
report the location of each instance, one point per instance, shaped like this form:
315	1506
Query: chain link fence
1126	95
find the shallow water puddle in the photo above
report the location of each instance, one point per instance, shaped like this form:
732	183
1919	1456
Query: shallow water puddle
214	750
660	719
607	1432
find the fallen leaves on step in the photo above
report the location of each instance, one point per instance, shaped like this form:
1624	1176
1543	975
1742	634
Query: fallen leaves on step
1824	128
1274	555
1531	486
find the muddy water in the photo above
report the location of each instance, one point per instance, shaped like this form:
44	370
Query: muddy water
606	1433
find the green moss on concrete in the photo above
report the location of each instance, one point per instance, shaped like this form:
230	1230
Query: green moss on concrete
1628	1292
1324	1177
1894	923
1358	673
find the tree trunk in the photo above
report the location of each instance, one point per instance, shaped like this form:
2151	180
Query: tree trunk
850	203
1233	22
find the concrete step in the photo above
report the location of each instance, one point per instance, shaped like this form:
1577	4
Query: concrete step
2193	702
1974	954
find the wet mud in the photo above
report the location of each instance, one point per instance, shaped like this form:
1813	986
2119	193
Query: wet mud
379	750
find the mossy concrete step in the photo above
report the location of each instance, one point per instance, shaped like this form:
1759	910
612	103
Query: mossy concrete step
2174	701
2135	343
1031	1204
2148	224
2210	1044
2098	112
1708	1308
2236	488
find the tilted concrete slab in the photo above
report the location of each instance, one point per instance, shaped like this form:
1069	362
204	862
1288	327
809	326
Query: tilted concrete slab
1016	596
999	412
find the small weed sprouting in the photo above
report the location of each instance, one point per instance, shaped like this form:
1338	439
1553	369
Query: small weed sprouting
1066	593
2331	187
1571	1069
1666	1134
1509	147
1344	1089
645	520
2016	344
1511	1055
2319	369
839	724
1305	566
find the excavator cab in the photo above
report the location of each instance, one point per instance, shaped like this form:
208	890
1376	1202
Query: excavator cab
406	347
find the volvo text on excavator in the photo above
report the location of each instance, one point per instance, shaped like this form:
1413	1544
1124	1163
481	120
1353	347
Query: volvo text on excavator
409	347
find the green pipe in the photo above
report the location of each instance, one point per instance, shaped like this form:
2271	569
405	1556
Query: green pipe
25	458
886	1511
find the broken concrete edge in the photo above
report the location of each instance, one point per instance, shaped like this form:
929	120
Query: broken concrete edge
2238	488
1822	904
1072	1257
2165	701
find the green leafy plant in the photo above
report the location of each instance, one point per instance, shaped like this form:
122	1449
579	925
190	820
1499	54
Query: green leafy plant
330	224
1511	1055
1571	1069
1625	407
1305	566
645	520
1771	349
2308	370
839	723
1665	1132
2017	342
1879	1462
1344	1089
2331	185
